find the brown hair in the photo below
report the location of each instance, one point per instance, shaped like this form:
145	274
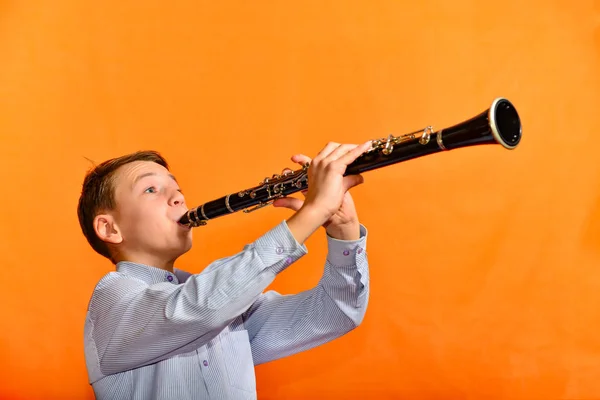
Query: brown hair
97	194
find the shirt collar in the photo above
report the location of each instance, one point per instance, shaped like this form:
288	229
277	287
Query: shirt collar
151	275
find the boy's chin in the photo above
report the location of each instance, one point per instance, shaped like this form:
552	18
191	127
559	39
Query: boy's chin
185	248
175	254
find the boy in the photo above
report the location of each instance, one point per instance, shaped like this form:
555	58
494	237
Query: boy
153	331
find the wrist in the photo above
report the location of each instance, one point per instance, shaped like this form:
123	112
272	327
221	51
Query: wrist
346	231
305	222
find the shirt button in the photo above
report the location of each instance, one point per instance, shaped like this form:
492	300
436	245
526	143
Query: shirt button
170	278
279	250
346	252
205	363
288	260
359	250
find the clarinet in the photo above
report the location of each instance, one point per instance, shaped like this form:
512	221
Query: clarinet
499	124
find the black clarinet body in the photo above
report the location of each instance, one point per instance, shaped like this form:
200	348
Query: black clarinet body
500	125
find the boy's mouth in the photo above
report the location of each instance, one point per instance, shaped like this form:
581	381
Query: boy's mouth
180	224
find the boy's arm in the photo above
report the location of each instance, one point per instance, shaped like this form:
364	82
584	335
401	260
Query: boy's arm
133	324
279	325
282	325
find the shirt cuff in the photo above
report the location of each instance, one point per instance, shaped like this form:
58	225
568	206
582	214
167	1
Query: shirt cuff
278	248
345	252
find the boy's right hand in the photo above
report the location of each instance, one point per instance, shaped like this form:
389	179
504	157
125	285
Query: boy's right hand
326	187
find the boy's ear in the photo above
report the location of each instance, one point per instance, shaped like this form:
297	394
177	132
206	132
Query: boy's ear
107	230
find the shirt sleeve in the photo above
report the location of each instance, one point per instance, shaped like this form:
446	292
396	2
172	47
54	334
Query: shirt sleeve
136	324
282	325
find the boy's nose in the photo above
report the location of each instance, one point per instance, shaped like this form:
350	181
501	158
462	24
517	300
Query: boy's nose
177	199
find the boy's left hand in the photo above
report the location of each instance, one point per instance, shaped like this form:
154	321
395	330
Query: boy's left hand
342	225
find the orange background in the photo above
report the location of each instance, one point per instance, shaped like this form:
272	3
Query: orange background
485	263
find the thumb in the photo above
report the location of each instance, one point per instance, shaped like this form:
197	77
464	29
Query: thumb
353	180
288	202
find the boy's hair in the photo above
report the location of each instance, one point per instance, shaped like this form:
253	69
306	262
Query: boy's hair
98	194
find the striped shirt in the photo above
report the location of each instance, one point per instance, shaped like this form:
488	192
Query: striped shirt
154	335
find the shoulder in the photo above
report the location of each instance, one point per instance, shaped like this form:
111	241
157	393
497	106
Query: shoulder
115	279
112	287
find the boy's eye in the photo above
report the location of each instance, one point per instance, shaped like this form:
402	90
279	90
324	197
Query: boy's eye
150	190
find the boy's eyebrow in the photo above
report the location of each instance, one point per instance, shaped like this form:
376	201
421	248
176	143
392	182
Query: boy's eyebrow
138	178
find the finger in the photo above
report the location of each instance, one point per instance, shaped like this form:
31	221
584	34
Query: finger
354	153
301	159
351	181
326	150
288	202
340	151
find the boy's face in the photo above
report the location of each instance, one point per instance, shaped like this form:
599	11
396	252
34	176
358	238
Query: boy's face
148	206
